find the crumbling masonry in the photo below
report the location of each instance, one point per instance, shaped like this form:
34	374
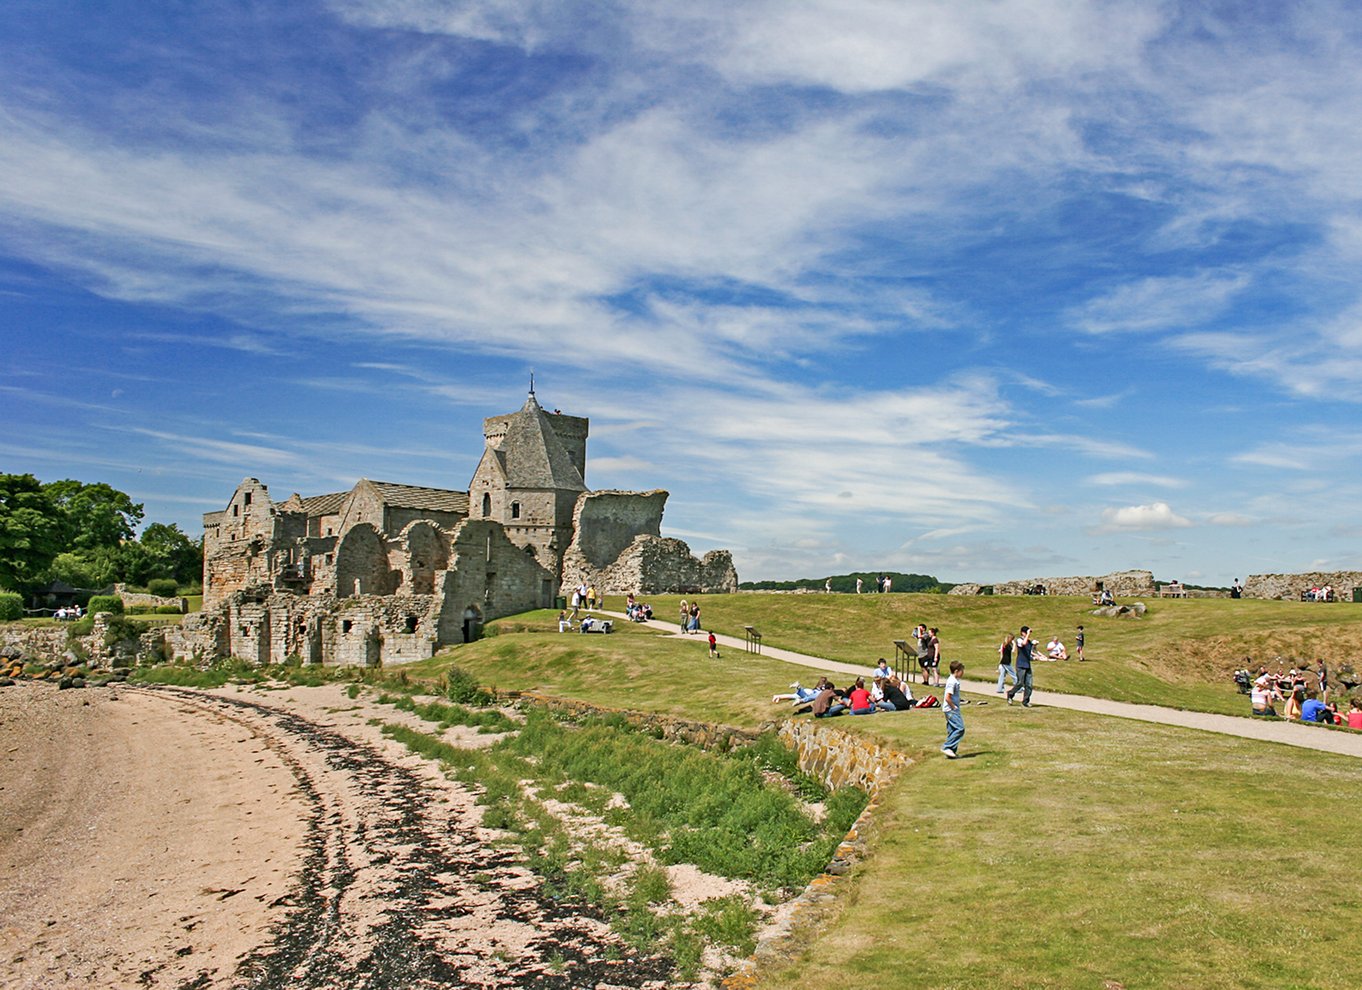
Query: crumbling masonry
388	573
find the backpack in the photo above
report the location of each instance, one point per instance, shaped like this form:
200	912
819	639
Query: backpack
928	702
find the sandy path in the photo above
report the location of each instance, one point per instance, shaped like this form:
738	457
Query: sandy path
138	847
262	839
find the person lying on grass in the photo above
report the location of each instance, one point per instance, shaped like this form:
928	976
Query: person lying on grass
802	695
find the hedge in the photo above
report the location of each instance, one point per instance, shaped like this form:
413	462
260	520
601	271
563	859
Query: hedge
105	603
163	587
11	606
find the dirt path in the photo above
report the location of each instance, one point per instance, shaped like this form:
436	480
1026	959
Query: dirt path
1279	731
329	859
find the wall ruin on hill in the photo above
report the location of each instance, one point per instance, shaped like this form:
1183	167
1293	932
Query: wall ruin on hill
1289	586
1122	584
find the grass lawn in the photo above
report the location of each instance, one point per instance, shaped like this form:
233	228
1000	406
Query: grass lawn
1065	850
1181	653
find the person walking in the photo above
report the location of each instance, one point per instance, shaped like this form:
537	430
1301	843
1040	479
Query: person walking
685	616
1005	668
713	646
950	702
1078	644
1024	645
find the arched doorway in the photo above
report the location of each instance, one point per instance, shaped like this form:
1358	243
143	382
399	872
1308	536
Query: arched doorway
472	624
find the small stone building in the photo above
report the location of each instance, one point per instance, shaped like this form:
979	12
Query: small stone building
390	573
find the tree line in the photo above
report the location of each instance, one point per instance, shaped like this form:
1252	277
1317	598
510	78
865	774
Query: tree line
85	535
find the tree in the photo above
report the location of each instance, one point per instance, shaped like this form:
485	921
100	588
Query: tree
174	554
96	515
30	531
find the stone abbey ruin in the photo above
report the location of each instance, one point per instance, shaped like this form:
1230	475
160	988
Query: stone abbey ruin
391	573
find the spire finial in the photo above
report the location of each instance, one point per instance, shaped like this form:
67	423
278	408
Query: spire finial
531	383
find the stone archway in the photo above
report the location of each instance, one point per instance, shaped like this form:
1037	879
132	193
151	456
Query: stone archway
362	563
472	623
427	553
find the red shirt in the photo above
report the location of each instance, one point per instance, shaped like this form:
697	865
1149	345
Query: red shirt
860	698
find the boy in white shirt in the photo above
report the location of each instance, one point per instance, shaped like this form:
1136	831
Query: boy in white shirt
950	704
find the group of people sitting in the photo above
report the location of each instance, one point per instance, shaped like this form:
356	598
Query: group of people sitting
1303	696
1319	594
636	610
1103	597
884	693
68	613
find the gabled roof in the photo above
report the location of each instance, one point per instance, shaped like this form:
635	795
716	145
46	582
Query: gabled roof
415	497
532	454
323	505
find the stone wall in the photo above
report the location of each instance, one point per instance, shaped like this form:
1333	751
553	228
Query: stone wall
606	523
1122	584
842	759
156	601
1290	586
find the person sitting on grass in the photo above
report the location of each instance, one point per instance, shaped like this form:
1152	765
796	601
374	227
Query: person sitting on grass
898	693
1315	710
882	669
1355	714
1262	696
1294	703
859	699
1055	649
827	705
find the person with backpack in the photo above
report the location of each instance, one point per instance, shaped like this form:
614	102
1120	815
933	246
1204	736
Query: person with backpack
1025	645
950	703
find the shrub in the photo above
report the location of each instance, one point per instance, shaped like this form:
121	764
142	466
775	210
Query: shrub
140	609
163	587
461	686
167	610
11	606
106	603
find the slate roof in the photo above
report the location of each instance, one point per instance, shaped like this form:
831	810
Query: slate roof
414	497
324	505
532	455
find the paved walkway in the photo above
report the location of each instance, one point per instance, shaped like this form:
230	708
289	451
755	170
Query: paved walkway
1268	730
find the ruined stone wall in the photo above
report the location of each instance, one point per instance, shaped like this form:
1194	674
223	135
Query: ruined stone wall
605	523
362	565
387	629
156	601
1122	584
45	643
491	576
1290	586
235	542
655	565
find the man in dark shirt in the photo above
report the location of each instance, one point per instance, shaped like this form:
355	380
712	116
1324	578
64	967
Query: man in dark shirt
1025	644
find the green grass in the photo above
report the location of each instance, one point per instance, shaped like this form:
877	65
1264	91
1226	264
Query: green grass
1068	850
1181	653
1065	850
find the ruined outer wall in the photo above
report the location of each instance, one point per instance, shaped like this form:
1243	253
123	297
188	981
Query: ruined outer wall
605	523
1290	586
655	565
1127	584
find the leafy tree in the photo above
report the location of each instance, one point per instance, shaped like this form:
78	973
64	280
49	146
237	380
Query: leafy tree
96	515
30	531
175	554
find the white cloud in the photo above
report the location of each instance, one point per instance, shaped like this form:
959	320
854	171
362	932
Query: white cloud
1137	518
1119	478
1164	303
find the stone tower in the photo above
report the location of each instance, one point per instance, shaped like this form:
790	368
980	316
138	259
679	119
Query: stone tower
531	473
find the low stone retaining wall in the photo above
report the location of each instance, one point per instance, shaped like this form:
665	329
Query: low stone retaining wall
841	759
131	598
1290	586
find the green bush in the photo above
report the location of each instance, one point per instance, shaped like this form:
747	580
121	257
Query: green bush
105	603
167	610
140	609
163	587
11	606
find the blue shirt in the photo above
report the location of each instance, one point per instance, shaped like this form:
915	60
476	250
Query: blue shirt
1315	710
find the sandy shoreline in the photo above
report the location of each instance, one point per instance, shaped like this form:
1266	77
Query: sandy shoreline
175	838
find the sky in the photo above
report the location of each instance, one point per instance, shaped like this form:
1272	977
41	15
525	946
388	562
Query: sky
985	290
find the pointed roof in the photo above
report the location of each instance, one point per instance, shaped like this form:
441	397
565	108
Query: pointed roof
533	456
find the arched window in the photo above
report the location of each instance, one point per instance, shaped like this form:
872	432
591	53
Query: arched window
486	504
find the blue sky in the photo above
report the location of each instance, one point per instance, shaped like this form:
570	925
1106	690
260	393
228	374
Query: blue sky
987	290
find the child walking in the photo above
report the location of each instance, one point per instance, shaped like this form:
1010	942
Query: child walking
713	646
950	701
1079	644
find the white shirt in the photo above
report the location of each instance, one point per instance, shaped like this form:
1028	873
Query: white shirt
951	698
